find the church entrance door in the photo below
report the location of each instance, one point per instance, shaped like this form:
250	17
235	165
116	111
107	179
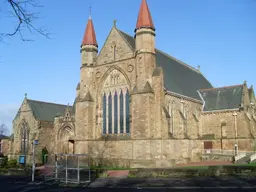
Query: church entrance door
71	146
66	145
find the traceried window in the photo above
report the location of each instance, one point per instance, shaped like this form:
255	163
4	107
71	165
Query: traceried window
24	139
115	105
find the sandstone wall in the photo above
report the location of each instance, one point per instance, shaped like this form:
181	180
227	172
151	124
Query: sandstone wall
185	116
141	152
222	126
24	115
5	146
114	49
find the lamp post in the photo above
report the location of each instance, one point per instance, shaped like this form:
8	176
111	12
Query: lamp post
236	143
35	142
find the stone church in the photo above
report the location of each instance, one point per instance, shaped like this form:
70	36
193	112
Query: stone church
137	106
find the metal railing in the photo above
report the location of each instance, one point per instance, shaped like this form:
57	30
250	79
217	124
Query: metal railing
226	152
253	157
68	168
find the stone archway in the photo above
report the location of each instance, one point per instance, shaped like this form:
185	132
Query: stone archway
64	144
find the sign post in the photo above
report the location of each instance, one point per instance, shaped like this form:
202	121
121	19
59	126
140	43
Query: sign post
35	142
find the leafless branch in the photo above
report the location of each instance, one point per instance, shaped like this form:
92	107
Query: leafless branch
3	129
24	19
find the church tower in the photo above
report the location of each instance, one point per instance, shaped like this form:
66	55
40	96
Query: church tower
144	91
145	45
85	104
89	51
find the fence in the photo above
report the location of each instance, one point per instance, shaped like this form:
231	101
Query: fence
226	152
253	157
68	168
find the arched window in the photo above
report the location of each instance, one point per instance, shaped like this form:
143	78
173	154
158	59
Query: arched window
116	109
24	139
170	110
127	112
110	113
121	112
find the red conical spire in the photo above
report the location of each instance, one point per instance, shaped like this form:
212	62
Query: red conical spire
144	17
89	35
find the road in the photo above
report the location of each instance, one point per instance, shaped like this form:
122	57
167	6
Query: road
23	184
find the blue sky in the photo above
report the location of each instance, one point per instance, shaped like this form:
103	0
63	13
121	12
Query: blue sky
218	35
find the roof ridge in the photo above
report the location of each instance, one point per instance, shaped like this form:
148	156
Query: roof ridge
224	87
166	54
124	32
120	33
47	102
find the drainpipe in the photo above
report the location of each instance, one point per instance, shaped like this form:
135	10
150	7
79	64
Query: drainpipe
236	143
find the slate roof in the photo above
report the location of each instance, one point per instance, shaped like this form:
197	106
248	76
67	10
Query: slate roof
45	111
222	98
178	77
3	137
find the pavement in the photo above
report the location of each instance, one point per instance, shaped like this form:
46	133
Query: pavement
24	184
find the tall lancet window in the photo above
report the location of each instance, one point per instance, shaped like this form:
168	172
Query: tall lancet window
24	139
104	114
171	117
110	113
121	112
127	112
115	104
115	114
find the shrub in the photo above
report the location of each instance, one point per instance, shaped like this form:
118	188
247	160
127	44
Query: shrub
3	161
13	163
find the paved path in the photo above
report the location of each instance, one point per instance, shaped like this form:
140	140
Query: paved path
21	184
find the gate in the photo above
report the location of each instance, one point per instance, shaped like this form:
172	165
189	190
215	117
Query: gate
68	168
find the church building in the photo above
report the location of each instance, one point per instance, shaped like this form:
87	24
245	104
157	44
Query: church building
137	106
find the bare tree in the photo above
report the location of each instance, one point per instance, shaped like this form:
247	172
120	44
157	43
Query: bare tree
24	18
3	130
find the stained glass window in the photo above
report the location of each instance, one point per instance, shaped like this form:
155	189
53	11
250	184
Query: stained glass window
24	140
127	112
121	112
104	114
115	114
110	113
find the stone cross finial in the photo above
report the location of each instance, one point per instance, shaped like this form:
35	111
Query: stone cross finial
114	22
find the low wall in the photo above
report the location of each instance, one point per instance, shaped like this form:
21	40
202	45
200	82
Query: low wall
215	157
227	170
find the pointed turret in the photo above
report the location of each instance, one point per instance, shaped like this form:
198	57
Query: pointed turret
89	34
89	47
145	30
144	18
145	45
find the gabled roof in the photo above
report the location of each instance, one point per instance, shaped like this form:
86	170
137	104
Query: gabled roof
222	98
3	137
45	111
178	77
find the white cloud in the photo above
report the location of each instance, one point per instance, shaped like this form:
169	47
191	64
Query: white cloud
7	114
